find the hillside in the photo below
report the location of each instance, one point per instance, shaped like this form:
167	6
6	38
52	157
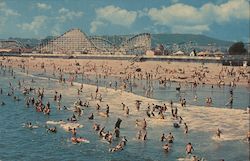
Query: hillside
200	40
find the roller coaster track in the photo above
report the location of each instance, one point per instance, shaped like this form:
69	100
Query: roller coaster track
75	40
102	44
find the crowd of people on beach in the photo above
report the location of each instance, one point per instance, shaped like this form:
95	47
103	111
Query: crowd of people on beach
35	98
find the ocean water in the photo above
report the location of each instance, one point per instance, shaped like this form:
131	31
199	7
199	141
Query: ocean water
19	143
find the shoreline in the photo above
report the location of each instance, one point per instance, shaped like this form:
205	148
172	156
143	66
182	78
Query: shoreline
214	116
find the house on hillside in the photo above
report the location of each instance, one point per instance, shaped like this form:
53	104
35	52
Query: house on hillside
179	53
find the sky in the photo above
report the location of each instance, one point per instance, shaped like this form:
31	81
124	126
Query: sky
221	19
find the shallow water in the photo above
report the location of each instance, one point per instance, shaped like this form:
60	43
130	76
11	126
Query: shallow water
220	95
19	143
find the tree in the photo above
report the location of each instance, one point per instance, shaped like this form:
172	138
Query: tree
237	49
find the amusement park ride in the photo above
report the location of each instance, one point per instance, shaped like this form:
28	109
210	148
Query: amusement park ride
75	41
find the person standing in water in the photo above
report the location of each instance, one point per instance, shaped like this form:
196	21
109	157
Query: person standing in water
139	135
218	133
144	124
107	110
189	148
163	137
185	128
170	138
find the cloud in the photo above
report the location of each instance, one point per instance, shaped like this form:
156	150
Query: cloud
95	25
43	6
175	14
233	9
5	14
184	18
66	14
113	15
116	15
56	30
35	25
7	11
143	12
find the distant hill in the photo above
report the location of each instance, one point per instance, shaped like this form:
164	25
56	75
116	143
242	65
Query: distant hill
27	42
200	40
166	39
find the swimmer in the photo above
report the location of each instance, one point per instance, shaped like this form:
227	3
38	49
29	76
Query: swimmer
109	137
96	127
75	140
2	103
116	148
73	132
29	125
91	117
166	147
123	141
54	130
119	146
189	148
73	118
195	158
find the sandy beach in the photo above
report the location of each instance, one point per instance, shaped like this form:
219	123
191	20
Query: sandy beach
209	73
